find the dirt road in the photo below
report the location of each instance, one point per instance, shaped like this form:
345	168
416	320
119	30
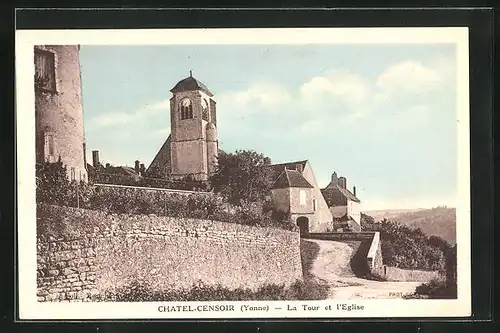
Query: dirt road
332	266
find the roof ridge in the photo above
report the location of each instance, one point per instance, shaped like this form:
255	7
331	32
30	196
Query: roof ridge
287	178
290	162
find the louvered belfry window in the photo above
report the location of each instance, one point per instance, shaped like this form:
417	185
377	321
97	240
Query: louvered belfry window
45	70
186	109
213	113
204	112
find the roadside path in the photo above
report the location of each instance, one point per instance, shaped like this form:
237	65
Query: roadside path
332	266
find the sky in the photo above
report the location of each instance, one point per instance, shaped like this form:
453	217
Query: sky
382	115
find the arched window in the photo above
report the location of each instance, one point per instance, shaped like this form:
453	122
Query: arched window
186	109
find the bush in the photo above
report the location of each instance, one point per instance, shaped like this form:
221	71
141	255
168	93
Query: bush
437	289
119	179
54	188
140	292
408	248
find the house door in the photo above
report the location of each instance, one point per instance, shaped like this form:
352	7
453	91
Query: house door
303	224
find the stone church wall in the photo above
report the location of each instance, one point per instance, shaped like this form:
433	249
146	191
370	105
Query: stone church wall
82	253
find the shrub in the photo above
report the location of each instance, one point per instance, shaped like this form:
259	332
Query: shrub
54	188
52	182
408	248
437	288
126	180
140	292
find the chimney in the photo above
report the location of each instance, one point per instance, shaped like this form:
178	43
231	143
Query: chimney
95	158
335	179
142	169
298	167
354	190
136	167
343	182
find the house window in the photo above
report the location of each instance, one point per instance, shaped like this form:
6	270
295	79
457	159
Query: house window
49	147
45	71
73	176
302	197
186	109
314	205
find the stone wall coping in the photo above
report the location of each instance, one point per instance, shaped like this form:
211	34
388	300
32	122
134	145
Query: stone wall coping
343	235
372	252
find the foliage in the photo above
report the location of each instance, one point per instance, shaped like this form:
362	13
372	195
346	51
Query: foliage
243	176
54	188
408	248
140	292
437	288
51	182
40	83
156	172
121	179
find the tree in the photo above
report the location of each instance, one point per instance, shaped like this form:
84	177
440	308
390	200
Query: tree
242	176
367	222
405	247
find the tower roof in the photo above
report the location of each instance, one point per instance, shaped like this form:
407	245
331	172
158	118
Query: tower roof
190	84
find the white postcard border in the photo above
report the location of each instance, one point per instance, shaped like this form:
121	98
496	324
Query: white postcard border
29	308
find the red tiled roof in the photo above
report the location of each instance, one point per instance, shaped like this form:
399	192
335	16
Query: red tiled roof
346	193
291	178
289	165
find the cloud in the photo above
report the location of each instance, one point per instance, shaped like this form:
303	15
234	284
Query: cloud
409	75
398	98
116	119
337	85
265	94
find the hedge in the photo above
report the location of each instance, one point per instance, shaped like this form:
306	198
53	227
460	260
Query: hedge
140	292
118	179
53	188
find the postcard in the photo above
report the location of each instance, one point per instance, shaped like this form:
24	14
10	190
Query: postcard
243	173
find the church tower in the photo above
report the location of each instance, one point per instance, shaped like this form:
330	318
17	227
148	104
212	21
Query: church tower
193	121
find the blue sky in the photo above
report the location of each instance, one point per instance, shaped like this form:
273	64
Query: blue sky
382	115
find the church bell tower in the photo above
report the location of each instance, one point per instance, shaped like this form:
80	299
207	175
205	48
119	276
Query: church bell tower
193	145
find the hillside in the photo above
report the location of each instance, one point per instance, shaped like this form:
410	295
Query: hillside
439	221
389	214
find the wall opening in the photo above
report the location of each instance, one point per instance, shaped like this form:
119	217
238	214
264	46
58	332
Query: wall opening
303	224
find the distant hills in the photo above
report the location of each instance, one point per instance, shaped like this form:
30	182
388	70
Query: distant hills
439	221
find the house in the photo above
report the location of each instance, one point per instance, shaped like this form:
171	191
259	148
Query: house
296	191
343	204
99	172
191	148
